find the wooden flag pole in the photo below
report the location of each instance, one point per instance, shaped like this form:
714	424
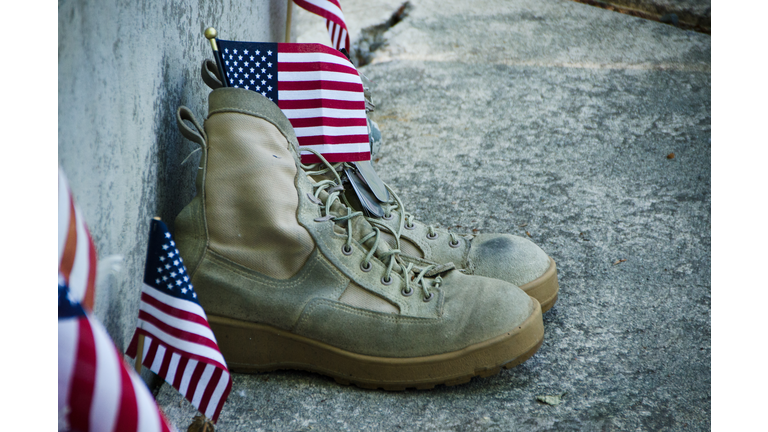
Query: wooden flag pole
139	354
288	22
210	34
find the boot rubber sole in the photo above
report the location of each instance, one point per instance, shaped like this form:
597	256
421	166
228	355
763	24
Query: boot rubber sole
545	287
252	348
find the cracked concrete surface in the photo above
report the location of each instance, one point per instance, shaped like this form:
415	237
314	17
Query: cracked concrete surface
556	120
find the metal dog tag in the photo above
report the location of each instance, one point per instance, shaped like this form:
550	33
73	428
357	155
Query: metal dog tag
365	168
370	206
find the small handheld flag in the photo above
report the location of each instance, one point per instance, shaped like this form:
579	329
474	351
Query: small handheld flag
77	253
97	390
315	86
179	345
334	20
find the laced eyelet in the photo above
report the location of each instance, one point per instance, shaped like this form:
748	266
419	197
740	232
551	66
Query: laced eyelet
346	249
427	299
453	244
388	217
407	293
366	268
386	281
411	226
432	236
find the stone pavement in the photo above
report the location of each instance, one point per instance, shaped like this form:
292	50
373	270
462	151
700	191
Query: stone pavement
589	131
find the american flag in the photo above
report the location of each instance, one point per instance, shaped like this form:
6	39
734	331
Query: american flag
97	390
334	20
179	345
77	254
317	88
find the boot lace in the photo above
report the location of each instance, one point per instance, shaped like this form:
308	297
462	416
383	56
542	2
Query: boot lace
412	276
407	220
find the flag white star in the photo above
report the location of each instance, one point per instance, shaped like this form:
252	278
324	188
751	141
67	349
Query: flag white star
159	269
173	274
258	52
269	52
176	262
165	278
157	281
245	52
178	282
165	247
167	235
183	290
269	64
269	76
234	51
263	59
269	88
162	258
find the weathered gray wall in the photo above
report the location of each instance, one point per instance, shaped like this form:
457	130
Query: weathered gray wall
124	69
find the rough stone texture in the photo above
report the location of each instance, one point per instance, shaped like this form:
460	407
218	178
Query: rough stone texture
124	68
555	119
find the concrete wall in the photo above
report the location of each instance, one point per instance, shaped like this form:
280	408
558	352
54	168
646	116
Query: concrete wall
124	68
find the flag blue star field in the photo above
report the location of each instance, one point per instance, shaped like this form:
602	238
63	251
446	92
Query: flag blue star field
317	88
179	345
97	390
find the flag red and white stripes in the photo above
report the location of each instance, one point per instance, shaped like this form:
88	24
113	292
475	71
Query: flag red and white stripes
179	345
97	390
77	253
334	20
317	88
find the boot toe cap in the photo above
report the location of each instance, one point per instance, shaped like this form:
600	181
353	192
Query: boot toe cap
510	258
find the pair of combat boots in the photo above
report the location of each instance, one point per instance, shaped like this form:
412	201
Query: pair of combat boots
293	276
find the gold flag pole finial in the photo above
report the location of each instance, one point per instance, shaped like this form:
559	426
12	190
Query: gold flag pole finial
210	34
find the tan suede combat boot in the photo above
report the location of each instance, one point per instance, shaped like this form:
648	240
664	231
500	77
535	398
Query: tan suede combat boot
507	257
292	279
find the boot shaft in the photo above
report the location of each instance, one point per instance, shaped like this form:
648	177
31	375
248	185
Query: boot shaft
247	198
